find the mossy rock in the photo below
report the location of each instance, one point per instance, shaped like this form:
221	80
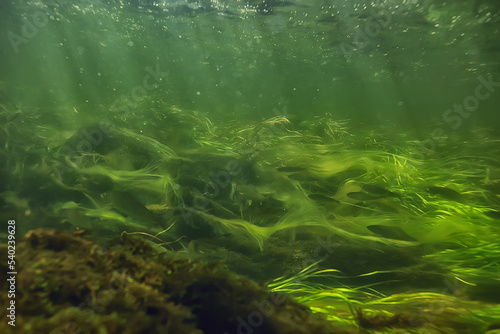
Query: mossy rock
69	284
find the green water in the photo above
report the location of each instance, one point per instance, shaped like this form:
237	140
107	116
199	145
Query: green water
358	136
407	62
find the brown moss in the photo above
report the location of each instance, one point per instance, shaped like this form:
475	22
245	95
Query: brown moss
68	284
380	320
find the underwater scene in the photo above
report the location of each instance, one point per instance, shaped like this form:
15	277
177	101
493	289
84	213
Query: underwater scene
250	166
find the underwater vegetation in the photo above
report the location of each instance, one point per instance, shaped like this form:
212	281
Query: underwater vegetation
387	231
66	281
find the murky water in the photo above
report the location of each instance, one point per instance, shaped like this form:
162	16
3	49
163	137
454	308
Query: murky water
352	145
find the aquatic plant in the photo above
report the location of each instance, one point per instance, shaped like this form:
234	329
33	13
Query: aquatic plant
283	190
366	308
131	286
